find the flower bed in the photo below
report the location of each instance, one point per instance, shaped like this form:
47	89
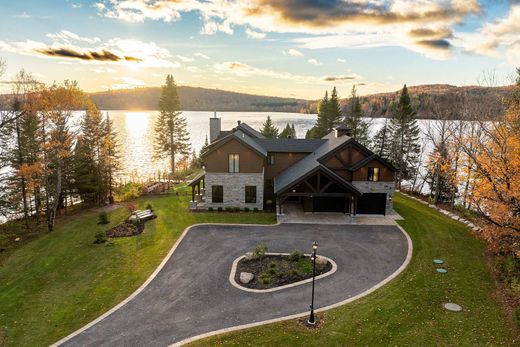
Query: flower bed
271	271
125	229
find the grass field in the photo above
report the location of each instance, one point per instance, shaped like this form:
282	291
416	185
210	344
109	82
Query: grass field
58	282
408	311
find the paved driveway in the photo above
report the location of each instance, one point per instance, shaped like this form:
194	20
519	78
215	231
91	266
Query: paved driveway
192	295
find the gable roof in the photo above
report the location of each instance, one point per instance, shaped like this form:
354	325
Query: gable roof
290	145
370	158
241	137
250	131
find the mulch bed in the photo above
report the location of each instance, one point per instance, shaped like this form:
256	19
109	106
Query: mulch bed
273	271
125	229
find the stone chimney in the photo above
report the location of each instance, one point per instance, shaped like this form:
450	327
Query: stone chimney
214	127
343	130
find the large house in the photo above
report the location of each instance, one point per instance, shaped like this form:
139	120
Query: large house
332	174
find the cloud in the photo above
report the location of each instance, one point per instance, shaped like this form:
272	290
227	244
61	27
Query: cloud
295	52
200	55
126	83
67	36
23	15
338	78
341	60
435	44
255	34
114	51
185	59
314	62
407	23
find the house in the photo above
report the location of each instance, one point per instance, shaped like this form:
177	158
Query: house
331	174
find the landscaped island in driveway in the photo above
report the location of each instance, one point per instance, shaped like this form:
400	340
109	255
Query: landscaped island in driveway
192	294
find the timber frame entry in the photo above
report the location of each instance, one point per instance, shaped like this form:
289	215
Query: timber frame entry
319	184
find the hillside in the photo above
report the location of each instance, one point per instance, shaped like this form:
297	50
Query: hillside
196	99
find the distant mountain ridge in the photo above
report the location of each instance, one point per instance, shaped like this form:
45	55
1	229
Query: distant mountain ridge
196	99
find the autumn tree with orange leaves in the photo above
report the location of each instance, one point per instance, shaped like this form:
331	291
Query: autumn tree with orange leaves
496	192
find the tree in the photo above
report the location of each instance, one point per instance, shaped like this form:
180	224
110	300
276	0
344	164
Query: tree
288	132
382	141
202	152
496	190
334	115
320	129
268	129
171	134
405	146
354	121
111	157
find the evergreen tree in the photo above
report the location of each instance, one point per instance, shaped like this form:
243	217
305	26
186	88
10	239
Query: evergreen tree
268	129
202	152
171	135
354	121
288	132
334	115
405	147
322	124
382	141
111	158
85	180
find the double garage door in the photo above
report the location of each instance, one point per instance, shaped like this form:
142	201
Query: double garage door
372	203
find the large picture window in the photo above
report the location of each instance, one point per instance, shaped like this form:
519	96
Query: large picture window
250	194
217	194
234	163
373	174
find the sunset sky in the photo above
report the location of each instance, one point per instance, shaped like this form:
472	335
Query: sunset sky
293	48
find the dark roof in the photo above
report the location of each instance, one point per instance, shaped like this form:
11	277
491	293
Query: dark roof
250	131
290	145
197	179
368	159
243	138
342	127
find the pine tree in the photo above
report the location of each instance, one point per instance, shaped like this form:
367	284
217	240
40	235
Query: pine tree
268	129
171	135
405	146
334	115
111	158
202	152
382	141
354	121
288	132
321	128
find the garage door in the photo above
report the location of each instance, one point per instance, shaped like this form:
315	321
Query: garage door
333	204
372	203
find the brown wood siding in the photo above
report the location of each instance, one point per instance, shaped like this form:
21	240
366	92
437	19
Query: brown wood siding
281	162
349	155
250	161
385	174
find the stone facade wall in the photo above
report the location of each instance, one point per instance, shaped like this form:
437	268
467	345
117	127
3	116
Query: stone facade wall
234	189
378	187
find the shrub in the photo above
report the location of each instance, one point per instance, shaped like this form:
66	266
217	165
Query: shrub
127	191
100	237
272	265
255	209
272	271
229	209
236	209
103	218
264	278
210	209
296	255
131	207
149	207
219	209
517	316
246	209
260	250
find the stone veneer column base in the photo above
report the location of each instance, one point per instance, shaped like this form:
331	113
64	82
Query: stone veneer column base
234	189
378	187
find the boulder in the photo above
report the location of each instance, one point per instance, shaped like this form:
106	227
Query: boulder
246	277
249	255
321	260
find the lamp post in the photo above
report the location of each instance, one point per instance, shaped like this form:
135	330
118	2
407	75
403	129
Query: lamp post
312	320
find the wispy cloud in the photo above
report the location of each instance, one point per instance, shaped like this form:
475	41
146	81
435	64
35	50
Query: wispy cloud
67	36
341	60
184	59
314	62
200	55
255	34
295	52
126	83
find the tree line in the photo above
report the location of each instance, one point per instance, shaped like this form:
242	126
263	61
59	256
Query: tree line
56	147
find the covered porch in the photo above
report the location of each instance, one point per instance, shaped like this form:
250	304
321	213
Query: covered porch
319	191
198	188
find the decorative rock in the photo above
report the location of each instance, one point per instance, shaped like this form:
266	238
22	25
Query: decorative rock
450	306
442	271
17	239
438	261
249	255
321	260
246	277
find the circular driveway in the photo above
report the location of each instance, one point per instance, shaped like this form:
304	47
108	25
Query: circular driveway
192	295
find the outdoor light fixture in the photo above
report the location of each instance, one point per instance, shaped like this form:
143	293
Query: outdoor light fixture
312	320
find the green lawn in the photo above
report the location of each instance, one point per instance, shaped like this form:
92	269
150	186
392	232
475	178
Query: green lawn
56	283
408	311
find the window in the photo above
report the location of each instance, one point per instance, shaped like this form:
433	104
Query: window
234	163
270	159
373	174
250	194
217	194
